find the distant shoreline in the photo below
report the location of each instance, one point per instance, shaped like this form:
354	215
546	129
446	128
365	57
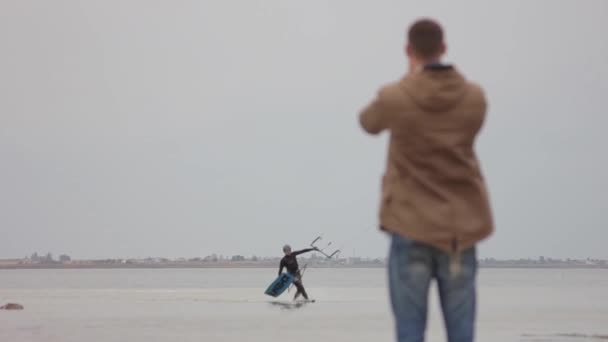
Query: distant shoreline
260	265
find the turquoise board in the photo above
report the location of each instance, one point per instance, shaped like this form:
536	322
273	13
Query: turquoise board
279	285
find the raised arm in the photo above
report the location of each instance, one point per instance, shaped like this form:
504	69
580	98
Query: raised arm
379	114
303	251
373	117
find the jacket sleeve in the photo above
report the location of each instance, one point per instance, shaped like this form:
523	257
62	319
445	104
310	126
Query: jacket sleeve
281	265
373	118
302	251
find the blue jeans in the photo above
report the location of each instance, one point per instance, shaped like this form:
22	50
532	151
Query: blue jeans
411	267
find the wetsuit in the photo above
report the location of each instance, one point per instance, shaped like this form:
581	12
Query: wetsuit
290	262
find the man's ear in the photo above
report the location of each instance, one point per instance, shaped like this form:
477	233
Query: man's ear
409	51
443	50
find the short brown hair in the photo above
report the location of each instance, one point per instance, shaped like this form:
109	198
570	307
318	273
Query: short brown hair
425	37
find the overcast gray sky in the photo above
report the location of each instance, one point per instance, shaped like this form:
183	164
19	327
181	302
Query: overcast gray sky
185	128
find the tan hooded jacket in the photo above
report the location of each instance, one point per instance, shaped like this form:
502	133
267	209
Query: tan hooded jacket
433	190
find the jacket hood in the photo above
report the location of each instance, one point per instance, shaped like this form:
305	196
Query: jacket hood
436	88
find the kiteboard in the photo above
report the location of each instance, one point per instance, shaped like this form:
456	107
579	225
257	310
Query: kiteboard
279	285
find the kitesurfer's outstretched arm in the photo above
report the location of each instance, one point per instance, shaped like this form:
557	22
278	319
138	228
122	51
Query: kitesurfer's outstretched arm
303	251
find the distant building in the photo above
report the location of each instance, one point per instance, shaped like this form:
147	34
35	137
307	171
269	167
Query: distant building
212	258
64	259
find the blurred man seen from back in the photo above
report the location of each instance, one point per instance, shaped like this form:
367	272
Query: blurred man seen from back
434	202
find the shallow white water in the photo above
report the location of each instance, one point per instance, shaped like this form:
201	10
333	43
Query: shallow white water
228	305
